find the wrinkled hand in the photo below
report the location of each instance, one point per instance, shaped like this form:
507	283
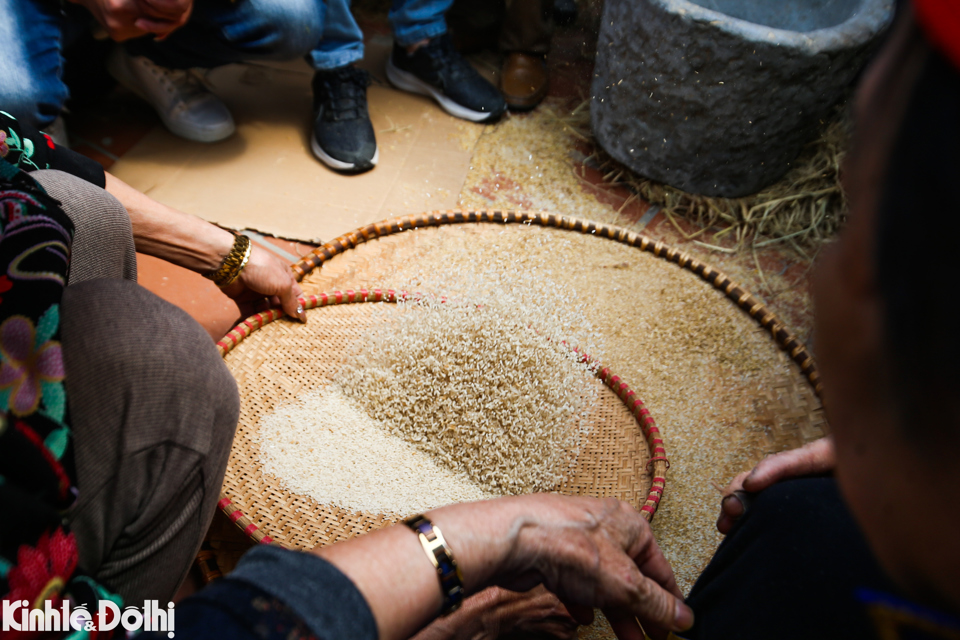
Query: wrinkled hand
536	612
589	552
125	19
494	612
601	553
811	459
266	276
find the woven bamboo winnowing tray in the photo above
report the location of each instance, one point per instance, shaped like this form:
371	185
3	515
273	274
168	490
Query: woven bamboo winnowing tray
275	362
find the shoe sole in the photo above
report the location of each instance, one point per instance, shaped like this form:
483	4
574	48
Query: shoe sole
121	72
406	81
340	165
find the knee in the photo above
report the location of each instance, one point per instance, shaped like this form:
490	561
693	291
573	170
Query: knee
103	245
143	354
283	30
77	196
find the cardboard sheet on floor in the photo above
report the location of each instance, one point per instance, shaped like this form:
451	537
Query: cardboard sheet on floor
266	178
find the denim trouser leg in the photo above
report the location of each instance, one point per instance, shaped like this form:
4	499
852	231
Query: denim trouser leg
226	31
416	20
342	40
31	67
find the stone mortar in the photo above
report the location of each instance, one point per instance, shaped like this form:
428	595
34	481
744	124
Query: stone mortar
716	104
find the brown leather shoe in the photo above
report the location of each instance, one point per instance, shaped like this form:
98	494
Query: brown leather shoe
523	80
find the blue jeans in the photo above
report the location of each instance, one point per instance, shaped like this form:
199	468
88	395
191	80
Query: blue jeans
342	41
34	33
223	31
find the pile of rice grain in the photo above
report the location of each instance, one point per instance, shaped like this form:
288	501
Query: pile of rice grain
471	382
721	391
323	446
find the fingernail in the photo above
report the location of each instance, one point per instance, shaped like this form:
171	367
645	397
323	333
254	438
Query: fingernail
745	498
683	617
302	315
726	499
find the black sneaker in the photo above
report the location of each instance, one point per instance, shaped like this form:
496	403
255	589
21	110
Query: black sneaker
438	71
343	136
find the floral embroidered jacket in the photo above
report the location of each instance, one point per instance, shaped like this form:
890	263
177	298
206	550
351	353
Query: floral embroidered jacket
38	555
26	148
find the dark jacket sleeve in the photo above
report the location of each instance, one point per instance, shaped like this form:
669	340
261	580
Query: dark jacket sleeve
30	150
276	594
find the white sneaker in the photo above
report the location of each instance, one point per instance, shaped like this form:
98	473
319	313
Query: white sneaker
180	98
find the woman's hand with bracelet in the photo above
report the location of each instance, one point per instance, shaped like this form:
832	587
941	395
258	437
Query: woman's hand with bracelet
266	277
589	552
247	273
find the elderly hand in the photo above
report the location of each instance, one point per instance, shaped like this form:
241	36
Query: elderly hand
537	612
266	276
589	552
125	19
495	612
811	459
197	245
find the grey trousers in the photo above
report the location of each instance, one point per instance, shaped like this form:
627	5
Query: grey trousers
152	405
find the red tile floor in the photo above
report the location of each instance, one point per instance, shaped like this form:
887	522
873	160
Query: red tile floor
105	134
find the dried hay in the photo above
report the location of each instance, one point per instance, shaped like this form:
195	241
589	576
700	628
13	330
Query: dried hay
803	209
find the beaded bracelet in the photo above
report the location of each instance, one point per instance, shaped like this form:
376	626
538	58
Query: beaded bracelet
233	263
451	581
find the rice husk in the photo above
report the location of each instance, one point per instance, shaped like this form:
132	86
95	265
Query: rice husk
473	383
722	392
480	370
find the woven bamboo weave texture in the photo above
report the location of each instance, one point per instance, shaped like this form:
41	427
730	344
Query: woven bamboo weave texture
719	280
789	409
275	362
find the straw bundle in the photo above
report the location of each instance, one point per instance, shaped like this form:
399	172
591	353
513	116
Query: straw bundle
803	209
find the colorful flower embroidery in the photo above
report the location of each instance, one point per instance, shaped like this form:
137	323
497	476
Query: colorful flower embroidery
26	365
15	204
35	236
42	571
24	145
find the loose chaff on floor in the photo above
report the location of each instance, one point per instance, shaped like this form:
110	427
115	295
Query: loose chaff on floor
803	209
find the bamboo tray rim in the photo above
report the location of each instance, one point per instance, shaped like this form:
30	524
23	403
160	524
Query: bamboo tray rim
658	459
745	300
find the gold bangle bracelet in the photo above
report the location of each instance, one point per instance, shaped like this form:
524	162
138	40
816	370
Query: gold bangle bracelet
243	263
233	263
